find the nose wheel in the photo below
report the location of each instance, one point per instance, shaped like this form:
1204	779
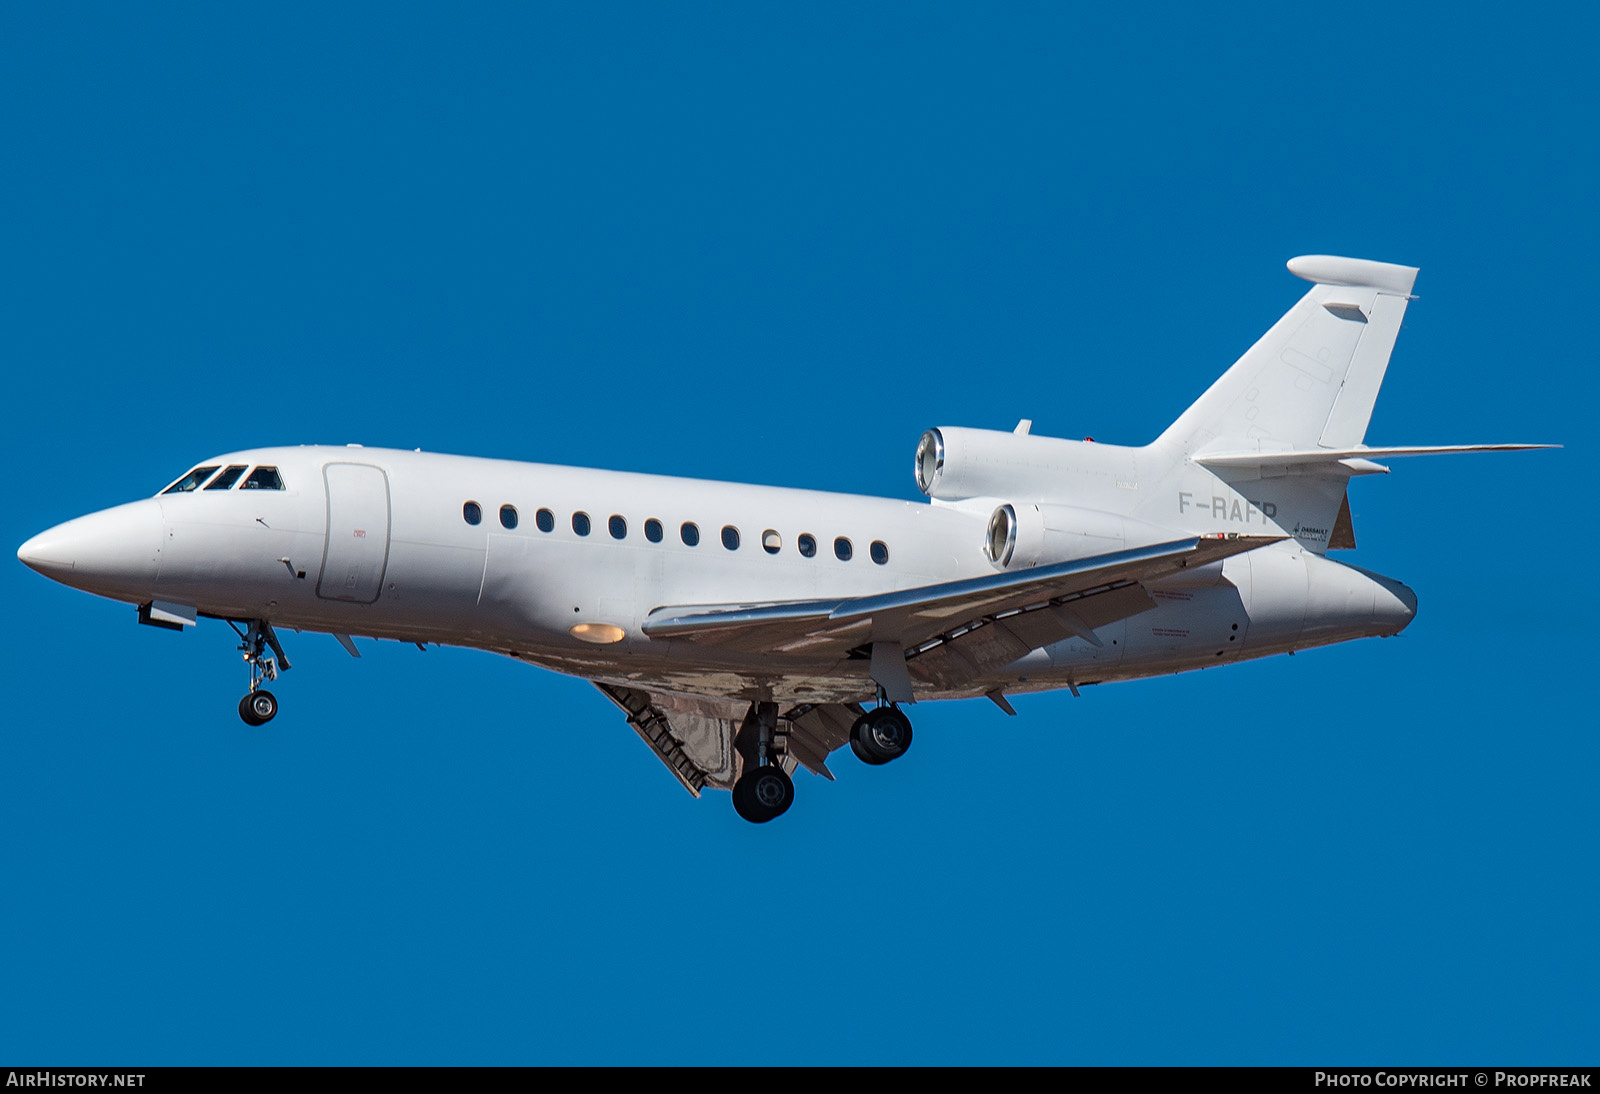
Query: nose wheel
260	706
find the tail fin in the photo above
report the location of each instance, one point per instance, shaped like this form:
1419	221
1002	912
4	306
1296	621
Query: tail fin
1287	421
1312	380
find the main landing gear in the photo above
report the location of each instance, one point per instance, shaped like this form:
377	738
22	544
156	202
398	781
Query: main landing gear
764	792
881	735
260	706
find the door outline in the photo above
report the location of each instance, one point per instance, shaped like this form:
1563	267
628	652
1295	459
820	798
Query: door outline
327	539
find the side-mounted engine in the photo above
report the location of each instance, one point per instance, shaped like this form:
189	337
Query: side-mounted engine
955	463
1056	500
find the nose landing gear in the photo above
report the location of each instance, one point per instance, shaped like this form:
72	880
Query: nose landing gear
260	706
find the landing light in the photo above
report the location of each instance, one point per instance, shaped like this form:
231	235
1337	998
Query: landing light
601	634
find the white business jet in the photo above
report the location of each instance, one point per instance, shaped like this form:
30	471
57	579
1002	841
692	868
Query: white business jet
746	631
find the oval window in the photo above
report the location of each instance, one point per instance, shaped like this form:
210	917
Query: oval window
807	544
580	523
472	513
879	551
730	537
618	527
546	520
652	530
771	542
508	516
690	533
842	549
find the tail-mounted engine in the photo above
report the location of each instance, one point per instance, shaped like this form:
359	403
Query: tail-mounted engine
1019	536
954	463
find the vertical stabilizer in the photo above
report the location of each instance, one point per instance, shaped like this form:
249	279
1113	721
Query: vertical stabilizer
1313	378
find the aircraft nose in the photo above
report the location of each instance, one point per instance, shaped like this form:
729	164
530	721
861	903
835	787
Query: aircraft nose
115	552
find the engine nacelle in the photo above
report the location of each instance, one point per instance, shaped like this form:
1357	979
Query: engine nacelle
954	463
1020	535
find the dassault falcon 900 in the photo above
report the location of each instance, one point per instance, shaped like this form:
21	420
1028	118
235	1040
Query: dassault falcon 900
747	631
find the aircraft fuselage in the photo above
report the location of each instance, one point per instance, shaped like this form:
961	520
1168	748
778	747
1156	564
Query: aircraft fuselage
378	543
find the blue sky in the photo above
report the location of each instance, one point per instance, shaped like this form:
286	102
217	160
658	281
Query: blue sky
775	243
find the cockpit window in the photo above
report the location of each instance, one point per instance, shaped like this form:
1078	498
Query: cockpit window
227	478
263	478
191	481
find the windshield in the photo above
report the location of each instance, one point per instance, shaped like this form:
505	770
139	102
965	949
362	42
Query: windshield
263	478
192	480
228	477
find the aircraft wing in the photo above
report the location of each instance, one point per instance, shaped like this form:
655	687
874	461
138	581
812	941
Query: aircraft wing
1074	597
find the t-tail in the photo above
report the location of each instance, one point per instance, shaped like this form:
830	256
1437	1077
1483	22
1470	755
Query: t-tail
1268	450
1286	424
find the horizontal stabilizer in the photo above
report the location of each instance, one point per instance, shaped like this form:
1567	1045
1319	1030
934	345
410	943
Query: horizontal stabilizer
1310	456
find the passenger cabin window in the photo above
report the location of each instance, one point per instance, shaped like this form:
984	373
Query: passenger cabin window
191	481
618	527
228	477
472	512
807	544
546	520
263	478
771	542
879	551
580	523
652	530
508	516
842	549
690	533
730	537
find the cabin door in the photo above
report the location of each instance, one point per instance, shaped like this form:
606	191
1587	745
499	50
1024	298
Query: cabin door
357	551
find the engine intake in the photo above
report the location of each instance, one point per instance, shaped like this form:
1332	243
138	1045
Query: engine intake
954	463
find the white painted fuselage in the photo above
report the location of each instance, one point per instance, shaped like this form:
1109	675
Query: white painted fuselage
376	542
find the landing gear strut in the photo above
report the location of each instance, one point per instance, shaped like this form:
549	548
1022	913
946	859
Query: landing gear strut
881	735
764	792
260	706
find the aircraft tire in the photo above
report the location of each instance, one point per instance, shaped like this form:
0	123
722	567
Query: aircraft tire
880	735
763	794
258	708
247	715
